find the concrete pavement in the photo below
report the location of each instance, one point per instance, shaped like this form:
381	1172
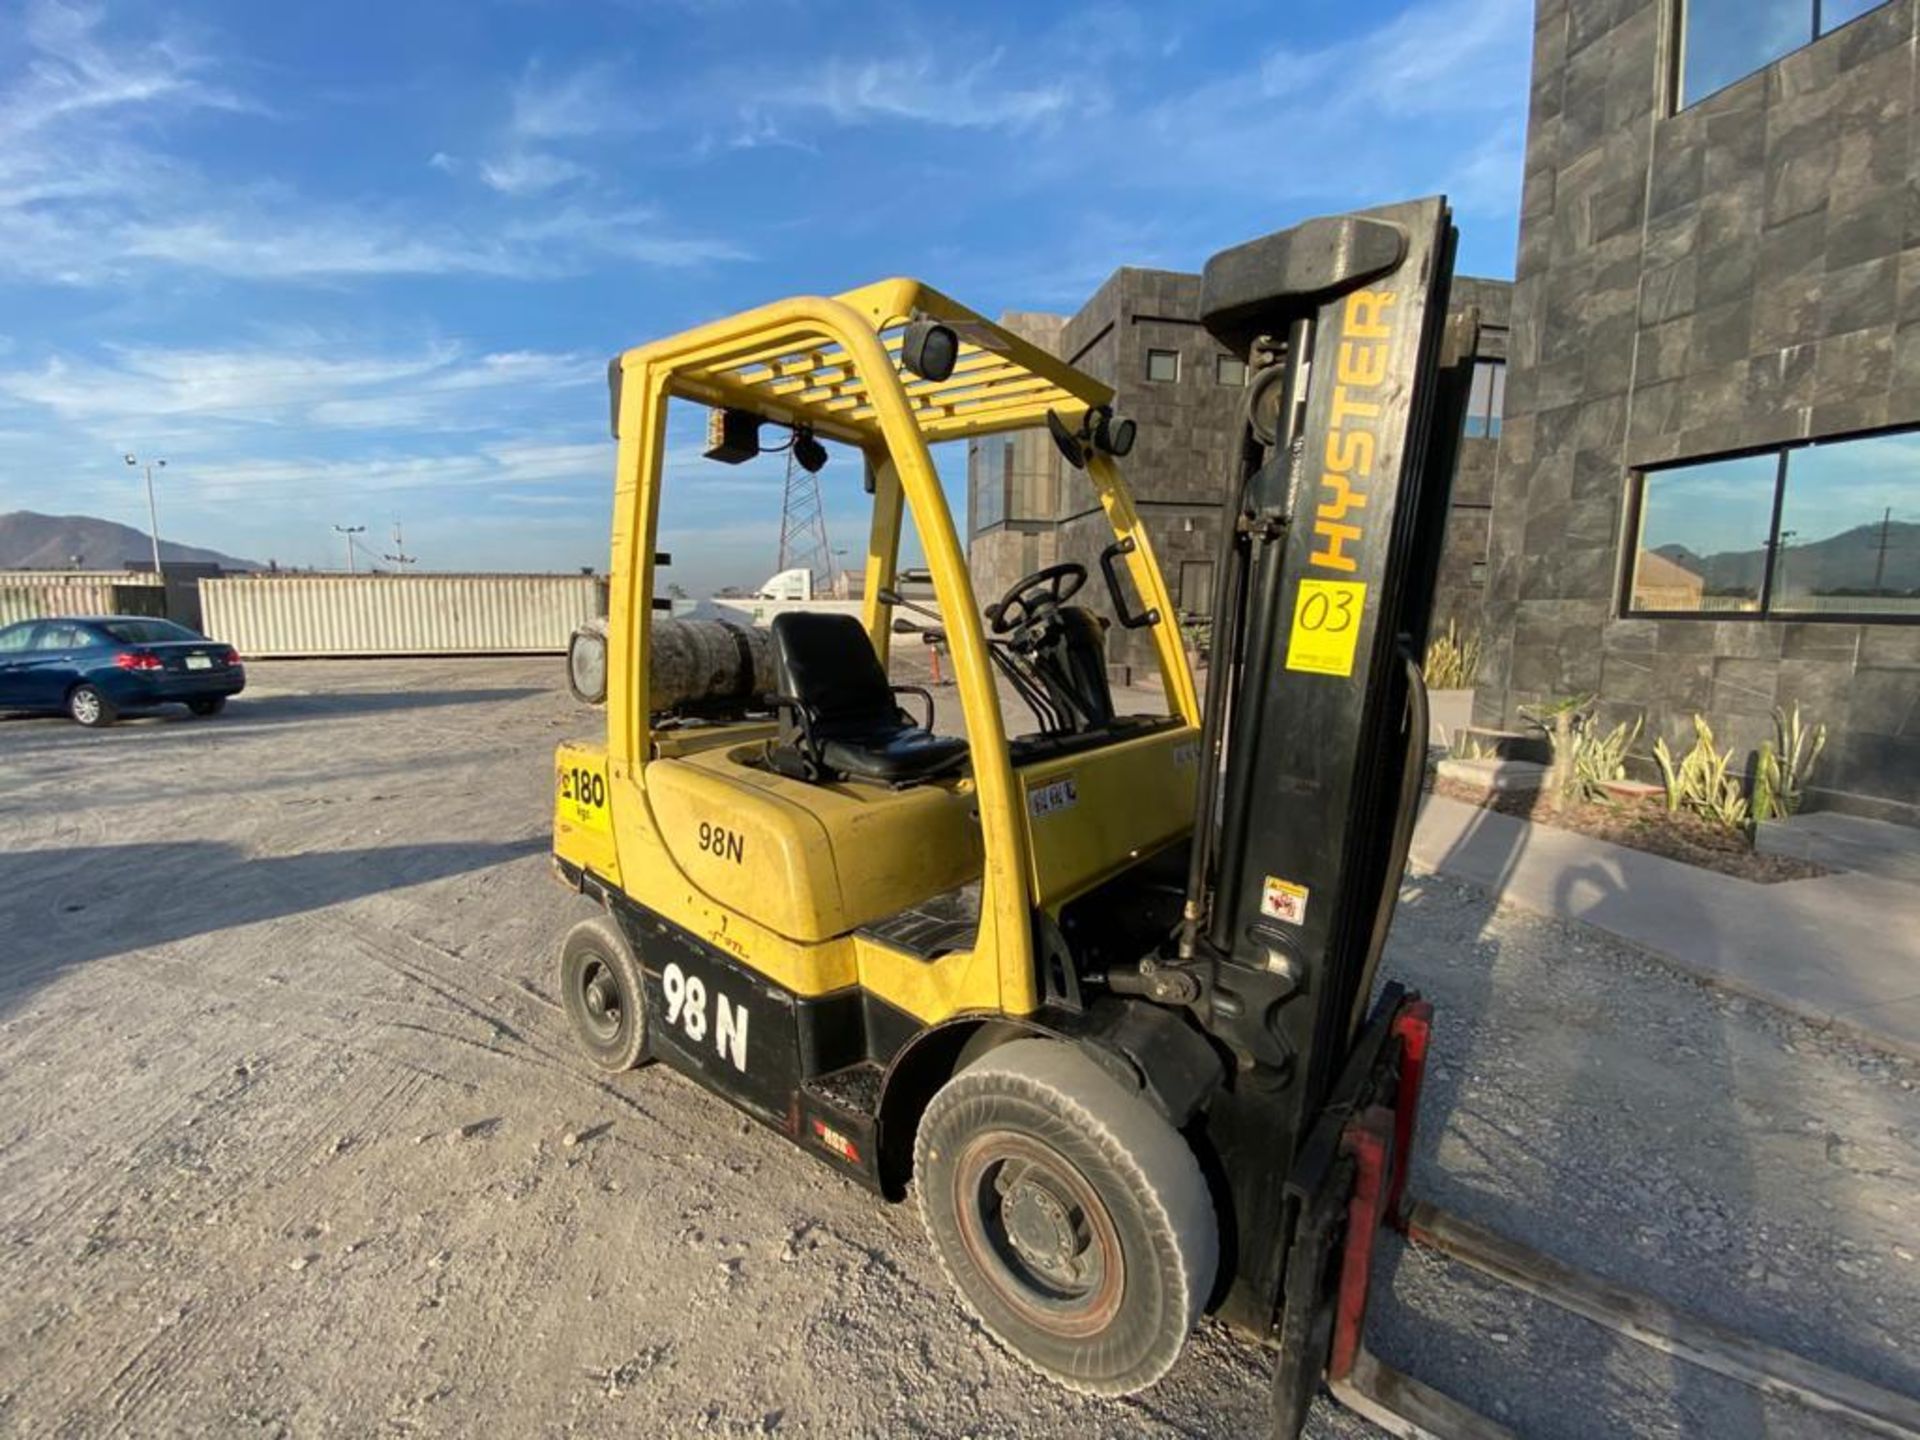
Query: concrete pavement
1842	949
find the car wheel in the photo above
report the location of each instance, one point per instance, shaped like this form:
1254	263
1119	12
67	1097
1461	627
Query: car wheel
603	994
87	706
1070	1215
213	705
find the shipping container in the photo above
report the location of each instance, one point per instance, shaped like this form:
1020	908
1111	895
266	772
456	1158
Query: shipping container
363	615
35	594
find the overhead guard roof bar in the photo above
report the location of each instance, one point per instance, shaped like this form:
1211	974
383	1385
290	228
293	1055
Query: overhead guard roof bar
1000	382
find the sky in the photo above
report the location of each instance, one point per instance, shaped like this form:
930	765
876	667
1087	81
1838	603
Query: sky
354	263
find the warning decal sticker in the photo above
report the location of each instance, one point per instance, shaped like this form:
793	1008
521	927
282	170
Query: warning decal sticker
1284	900
1326	626
1048	798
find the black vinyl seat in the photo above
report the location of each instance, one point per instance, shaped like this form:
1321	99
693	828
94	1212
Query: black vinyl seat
838	715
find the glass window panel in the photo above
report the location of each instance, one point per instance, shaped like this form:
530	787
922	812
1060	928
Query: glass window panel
1850	529
15	637
1230	370
1497	398
1196	588
59	637
1703	535
1726	40
1479	398
988	473
1835	13
1163	364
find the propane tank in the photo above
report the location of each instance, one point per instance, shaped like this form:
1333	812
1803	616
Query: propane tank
698	665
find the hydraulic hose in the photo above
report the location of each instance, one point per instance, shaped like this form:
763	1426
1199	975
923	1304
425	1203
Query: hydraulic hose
1411	781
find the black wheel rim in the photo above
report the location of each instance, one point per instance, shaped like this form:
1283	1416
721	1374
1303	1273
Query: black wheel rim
603	1004
1039	1234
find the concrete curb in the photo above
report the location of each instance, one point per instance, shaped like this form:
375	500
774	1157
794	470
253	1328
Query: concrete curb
1842	950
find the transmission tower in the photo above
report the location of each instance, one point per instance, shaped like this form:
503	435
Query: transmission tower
399	557
803	528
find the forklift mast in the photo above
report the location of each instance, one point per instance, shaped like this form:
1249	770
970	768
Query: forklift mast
1314	734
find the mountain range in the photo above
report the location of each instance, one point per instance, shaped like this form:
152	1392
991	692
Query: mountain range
30	541
1843	564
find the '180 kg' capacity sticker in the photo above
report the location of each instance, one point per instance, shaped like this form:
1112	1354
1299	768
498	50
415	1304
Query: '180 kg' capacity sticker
583	798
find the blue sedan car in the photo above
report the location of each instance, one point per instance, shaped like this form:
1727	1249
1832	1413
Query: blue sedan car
91	668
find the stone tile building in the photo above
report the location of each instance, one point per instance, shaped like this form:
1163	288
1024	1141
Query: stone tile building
1704	500
1140	332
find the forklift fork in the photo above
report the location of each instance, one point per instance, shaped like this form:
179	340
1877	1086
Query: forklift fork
1375	1148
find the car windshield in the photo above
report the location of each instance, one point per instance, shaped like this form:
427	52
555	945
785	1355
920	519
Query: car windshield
147	632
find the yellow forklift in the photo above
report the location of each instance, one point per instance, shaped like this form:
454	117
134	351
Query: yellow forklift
1098	988
1094	986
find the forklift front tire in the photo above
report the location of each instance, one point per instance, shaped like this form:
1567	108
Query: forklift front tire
603	994
1071	1217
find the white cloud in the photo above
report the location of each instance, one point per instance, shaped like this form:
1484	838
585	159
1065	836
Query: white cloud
1353	123
577	104
1433	58
87	196
488	467
72	73
274	239
297	382
928	89
528	172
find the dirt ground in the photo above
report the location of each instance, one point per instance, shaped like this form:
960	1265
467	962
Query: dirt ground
293	1140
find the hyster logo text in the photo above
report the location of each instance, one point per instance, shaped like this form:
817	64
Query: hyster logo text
1360	370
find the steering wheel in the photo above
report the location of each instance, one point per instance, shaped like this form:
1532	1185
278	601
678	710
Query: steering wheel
1049	588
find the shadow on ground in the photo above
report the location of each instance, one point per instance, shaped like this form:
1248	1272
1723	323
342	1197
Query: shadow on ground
63	908
247	712
1568	1157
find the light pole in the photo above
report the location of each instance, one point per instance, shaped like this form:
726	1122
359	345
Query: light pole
153	515
350	531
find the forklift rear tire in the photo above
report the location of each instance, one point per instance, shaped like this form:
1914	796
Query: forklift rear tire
1071	1217
604	996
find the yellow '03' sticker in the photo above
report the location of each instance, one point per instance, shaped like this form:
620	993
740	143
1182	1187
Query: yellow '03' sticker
1326	626
582	797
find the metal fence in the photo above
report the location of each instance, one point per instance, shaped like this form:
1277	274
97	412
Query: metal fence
346	615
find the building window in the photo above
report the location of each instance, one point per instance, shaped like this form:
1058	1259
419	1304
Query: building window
990	470
1486	398
1822	531
1722	41
1163	365
1230	370
1196	588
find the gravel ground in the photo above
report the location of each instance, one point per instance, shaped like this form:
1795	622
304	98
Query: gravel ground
293	1140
